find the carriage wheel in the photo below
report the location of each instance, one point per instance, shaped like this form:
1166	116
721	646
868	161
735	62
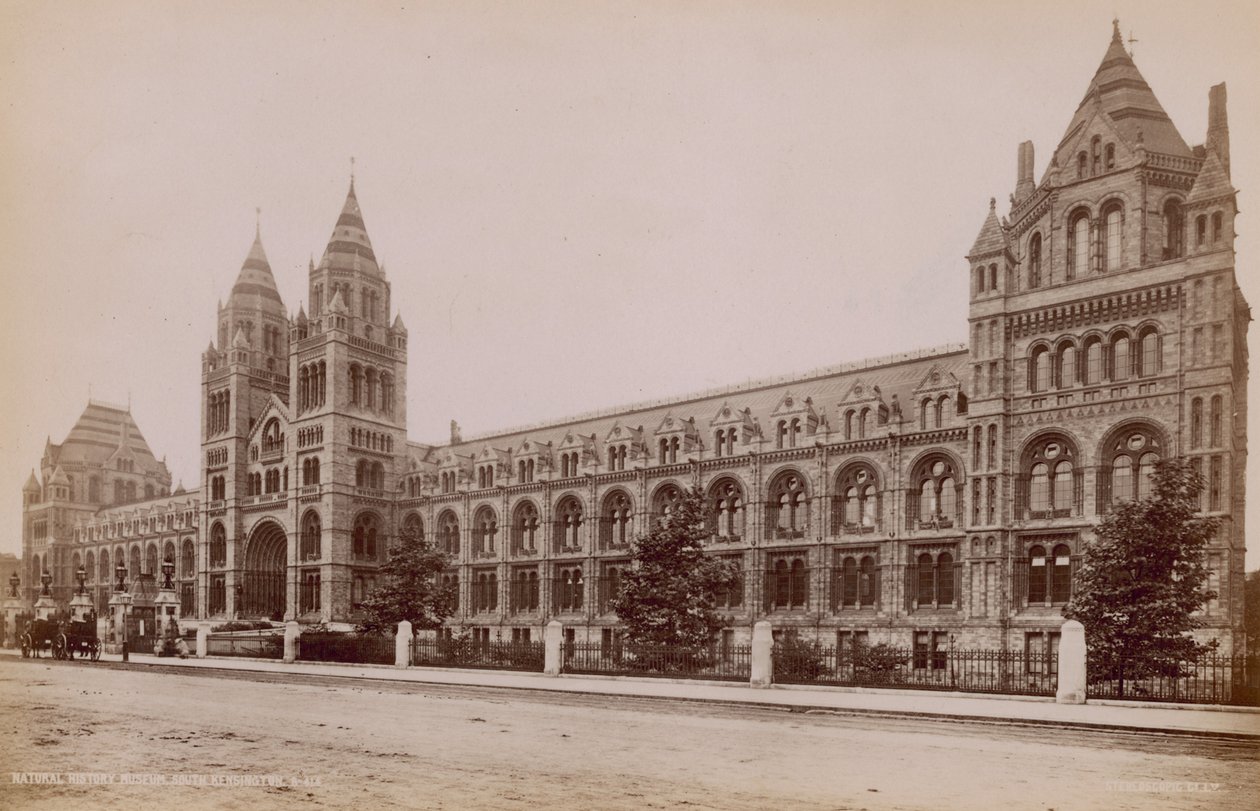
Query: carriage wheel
94	650
27	646
60	650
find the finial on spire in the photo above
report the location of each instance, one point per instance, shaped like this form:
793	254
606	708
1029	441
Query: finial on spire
352	171
1131	40
992	204
1115	28
258	222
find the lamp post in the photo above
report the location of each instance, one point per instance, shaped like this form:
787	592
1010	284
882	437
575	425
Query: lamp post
81	576
14	582
46	580
120	571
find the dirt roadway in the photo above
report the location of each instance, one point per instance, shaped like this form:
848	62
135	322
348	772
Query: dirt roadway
369	745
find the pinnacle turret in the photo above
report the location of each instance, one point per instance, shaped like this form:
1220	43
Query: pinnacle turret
349	247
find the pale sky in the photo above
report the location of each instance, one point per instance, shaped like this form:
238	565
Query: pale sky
579	205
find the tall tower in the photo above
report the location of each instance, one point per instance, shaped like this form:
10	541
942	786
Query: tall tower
1108	332
349	370
240	377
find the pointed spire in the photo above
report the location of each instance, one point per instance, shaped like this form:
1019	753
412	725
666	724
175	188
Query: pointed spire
349	247
991	238
301	314
399	326
32	484
255	280
1212	182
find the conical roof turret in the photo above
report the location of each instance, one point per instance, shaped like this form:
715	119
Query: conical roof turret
255	285
32	484
992	237
349	247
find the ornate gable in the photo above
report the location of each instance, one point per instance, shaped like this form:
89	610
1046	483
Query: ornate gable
633	438
685	431
583	444
792	408
741	420
861	408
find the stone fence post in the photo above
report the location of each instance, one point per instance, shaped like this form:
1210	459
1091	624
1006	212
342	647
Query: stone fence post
291	633
553	638
1072	674
762	655
203	635
402	645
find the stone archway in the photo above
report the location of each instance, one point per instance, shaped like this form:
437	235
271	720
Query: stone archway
263	592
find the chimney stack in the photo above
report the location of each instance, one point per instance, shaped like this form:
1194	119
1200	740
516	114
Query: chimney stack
1218	125
1024	184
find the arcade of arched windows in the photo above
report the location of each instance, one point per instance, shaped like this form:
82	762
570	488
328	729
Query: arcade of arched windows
448	533
1122	355
218	411
1209	231
1127	463
859	423
787	506
485	476
617	456
857	501
371	440
569	464
366	539
371	388
369	475
567	525
616	521
665	500
985	279
312	383
724	441
1050	480
310	471
726	513
667	450
485	531
934	498
526	526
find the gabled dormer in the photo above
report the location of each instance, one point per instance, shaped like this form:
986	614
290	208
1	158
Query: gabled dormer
578	453
862	410
793	421
733	430
624	445
493	466
675	438
939	400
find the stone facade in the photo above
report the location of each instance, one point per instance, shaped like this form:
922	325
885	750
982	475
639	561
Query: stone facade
941	497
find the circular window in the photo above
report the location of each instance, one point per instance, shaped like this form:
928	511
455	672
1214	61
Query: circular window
938	468
1137	442
1053	450
861	476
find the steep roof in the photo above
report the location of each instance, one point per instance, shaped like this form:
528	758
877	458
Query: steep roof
897	377
349	247
99	432
992	237
1121	93
255	284
1212	182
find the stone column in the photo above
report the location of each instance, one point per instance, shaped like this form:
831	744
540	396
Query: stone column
762	655
291	633
553	639
1072	673
402	645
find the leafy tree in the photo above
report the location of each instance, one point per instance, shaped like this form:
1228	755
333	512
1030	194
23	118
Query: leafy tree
1143	578
1251	610
669	596
409	588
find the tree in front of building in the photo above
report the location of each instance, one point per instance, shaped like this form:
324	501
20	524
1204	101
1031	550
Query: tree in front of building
409	588
668	597
1144	578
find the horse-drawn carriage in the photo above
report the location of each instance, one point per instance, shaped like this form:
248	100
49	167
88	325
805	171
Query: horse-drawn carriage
62	639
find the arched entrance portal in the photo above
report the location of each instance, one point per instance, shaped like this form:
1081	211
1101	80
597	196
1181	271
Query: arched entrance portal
263	588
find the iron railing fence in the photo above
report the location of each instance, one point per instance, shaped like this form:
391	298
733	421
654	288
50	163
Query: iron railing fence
353	648
1212	679
259	644
468	652
719	662
972	671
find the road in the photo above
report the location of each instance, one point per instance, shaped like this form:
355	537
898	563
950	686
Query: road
342	743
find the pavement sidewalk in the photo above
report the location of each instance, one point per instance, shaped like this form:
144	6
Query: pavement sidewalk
1218	721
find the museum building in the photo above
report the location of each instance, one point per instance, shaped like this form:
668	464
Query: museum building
937	497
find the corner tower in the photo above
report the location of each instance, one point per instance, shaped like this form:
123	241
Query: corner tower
1107	332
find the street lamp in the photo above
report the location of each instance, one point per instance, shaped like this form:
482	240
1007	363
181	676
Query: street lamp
14	582
120	571
46	579
168	569
81	576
